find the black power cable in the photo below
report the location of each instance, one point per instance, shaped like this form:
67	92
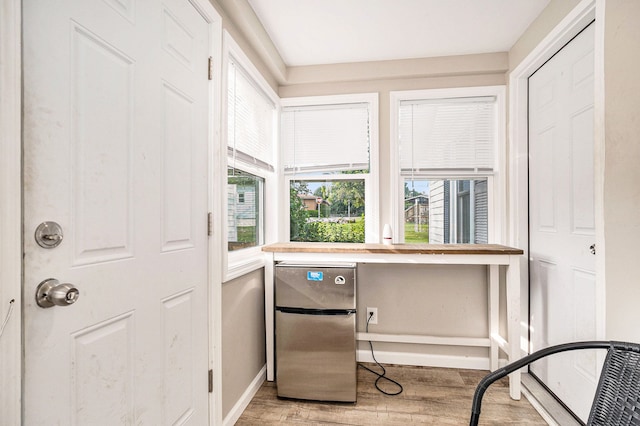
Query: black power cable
384	372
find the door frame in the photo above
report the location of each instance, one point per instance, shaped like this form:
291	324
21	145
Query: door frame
584	13
11	209
214	285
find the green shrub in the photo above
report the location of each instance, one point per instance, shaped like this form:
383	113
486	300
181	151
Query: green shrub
332	232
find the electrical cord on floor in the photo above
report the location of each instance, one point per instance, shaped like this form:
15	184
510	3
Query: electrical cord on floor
384	372
6	320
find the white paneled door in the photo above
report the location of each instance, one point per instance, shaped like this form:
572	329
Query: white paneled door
115	151
562	220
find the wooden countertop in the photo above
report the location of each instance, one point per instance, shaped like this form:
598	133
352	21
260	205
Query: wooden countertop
360	248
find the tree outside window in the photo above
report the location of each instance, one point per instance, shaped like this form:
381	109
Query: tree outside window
327	210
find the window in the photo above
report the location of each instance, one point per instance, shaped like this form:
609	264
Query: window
447	161
448	211
330	164
327	210
244	207
251	114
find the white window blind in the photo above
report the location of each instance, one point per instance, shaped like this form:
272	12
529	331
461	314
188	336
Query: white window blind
447	135
251	116
326	137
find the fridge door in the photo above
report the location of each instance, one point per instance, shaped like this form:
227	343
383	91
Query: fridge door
316	356
315	286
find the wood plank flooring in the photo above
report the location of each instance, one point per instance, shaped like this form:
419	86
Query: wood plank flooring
439	396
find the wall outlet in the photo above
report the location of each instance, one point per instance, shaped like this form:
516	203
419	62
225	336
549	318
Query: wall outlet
374	318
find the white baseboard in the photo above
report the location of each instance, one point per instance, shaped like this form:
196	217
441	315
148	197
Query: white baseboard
237	410
538	407
424	360
545	404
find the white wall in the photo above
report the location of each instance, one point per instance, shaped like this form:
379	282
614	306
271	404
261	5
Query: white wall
241	22
622	168
538	29
433	300
243	336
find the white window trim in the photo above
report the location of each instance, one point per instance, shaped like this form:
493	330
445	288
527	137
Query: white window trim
241	262
497	215
372	186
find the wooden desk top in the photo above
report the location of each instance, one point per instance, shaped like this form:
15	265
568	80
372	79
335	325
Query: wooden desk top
360	248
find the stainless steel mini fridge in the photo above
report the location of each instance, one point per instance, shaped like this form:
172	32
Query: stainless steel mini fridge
315	324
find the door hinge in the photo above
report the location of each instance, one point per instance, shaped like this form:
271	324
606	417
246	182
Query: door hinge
209	224
210	68
210	381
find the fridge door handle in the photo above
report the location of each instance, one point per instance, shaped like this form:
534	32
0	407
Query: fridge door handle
306	311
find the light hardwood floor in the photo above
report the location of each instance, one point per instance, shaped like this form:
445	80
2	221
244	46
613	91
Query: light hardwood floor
440	396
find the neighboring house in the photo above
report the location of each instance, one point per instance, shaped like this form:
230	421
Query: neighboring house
310	201
437	210
417	210
458	211
241	200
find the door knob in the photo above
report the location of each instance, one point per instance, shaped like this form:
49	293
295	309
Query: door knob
51	293
592	248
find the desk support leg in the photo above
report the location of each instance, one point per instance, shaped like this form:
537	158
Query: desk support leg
494	314
513	322
269	278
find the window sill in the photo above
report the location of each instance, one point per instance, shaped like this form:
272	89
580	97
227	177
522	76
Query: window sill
242	262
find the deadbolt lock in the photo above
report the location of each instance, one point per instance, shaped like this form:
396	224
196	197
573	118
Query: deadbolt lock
48	235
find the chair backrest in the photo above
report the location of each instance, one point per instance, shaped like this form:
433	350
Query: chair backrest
617	398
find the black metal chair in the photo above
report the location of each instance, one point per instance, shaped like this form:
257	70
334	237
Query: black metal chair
617	398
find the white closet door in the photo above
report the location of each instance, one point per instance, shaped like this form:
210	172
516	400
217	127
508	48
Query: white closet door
562	222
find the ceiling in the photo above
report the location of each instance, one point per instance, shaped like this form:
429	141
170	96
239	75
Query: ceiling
311	32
